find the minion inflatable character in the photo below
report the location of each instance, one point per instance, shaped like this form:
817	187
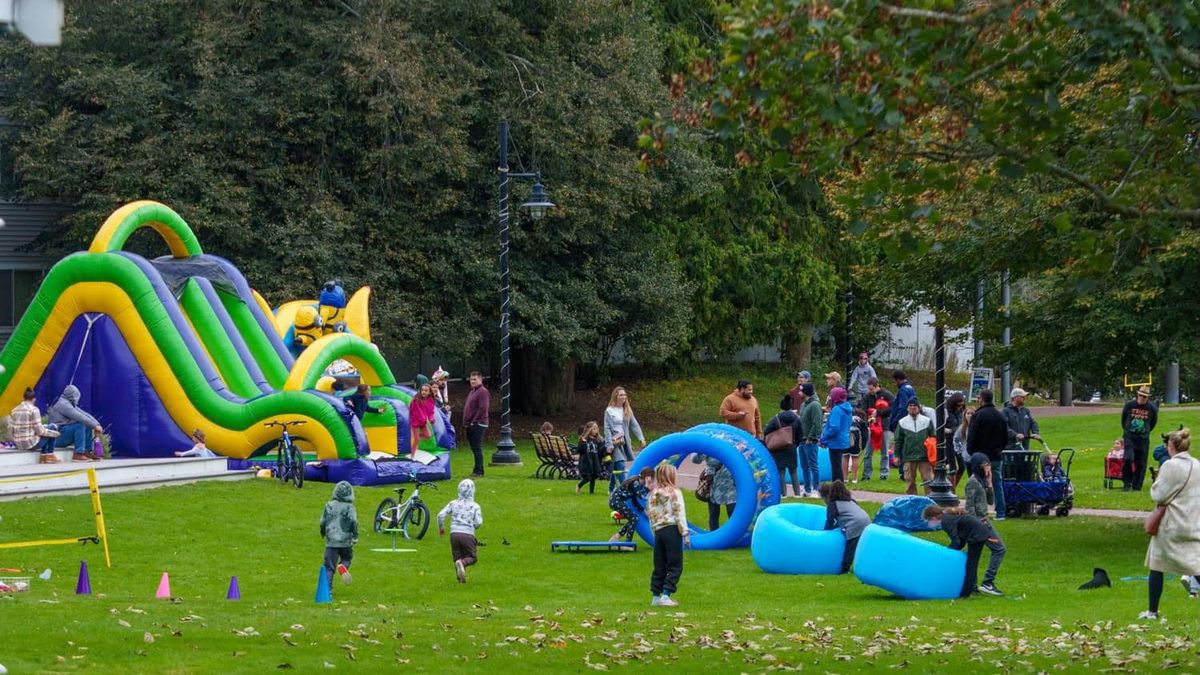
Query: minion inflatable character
331	305
309	326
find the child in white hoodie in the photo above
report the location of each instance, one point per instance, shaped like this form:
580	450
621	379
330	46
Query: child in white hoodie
465	516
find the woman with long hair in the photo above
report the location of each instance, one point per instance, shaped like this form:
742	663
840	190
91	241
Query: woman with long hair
1175	547
959	442
619	427
421	411
955	405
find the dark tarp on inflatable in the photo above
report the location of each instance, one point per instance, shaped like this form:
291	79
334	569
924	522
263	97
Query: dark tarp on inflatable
361	472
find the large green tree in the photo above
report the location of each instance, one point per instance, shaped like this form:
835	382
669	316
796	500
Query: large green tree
358	140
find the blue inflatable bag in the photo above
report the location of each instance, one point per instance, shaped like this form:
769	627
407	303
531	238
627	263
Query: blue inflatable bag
904	513
910	567
791	539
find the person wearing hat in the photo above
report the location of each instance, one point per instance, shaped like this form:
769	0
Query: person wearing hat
861	375
1021	425
1138	419
911	433
802	378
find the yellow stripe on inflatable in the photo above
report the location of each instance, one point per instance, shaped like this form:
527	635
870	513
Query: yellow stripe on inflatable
110	299
382	439
126	220
358	319
322	353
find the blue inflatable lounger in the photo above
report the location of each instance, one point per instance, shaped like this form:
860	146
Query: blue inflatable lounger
592	546
792	539
908	566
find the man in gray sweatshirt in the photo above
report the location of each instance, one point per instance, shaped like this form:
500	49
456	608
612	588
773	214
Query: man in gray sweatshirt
75	426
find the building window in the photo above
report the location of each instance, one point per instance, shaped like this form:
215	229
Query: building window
17	288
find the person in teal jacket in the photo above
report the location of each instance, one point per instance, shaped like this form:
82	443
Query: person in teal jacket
836	435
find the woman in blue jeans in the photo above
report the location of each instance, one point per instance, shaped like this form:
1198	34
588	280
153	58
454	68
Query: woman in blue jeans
620	426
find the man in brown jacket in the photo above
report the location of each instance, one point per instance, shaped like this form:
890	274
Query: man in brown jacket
740	409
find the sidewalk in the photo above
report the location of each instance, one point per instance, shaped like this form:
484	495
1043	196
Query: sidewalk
689	473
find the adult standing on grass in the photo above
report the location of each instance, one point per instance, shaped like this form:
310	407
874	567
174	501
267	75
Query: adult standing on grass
1021	425
1176	545
863	373
785	421
802	378
75	426
910	446
1138	419
740	409
812	418
956	407
475	417
836	434
620	425
834	379
989	434
904	393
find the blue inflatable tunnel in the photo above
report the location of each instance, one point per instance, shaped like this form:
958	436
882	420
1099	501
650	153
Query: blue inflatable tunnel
753	471
791	539
908	566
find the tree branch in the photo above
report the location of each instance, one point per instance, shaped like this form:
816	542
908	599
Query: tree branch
974	16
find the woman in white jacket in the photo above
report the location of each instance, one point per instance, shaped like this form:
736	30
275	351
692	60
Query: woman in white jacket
619	428
1176	547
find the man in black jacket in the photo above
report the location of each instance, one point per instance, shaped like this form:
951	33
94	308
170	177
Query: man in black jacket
989	434
1138	419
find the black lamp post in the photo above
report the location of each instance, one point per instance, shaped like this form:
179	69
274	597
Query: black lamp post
537	206
941	490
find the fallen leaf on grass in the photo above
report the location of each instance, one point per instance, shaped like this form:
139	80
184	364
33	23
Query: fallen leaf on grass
147	637
123	623
284	666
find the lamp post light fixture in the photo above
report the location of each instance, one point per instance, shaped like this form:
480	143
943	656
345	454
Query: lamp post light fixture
537	206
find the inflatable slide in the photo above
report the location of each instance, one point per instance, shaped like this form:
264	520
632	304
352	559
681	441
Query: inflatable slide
160	347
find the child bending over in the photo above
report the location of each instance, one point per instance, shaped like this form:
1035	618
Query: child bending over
668	519
842	512
626	500
465	515
974	534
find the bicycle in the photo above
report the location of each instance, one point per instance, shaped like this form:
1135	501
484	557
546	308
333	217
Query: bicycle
411	517
289	462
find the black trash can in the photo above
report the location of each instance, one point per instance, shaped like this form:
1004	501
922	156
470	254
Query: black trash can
1020	465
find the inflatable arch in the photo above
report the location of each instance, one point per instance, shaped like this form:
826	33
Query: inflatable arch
754	477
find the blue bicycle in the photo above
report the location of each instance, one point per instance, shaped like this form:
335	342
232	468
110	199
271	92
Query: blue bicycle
289	461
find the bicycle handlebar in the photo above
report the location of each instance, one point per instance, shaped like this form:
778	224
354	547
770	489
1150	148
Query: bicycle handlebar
284	424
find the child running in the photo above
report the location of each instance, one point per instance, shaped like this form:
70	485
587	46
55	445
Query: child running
199	449
974	534
591	446
842	512
339	526
465	517
668	519
632	490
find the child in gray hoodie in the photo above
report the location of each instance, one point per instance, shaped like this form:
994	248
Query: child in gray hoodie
465	515
339	526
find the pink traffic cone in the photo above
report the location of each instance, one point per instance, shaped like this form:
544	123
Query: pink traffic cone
234	592
164	587
84	585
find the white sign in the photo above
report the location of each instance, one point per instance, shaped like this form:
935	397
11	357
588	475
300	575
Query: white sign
981	378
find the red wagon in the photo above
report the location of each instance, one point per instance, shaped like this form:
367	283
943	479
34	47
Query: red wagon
1113	465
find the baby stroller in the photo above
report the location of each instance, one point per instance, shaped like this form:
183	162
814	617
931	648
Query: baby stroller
1031	484
1114	464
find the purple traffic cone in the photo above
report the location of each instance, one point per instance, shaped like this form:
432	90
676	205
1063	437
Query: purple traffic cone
234	592
84	585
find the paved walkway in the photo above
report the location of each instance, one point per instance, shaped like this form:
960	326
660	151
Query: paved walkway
689	473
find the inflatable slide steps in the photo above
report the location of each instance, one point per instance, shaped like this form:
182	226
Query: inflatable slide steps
32	480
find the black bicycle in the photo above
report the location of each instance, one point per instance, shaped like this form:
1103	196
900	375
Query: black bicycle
289	461
410	518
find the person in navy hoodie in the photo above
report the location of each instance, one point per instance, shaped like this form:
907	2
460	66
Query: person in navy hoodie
836	435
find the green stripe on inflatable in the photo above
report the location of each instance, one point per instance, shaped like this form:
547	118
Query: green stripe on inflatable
259	345
116	269
224	355
154	213
347	346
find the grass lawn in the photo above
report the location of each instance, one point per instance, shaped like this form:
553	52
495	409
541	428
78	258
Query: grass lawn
526	609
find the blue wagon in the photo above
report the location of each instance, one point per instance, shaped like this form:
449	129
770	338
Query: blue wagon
1037	482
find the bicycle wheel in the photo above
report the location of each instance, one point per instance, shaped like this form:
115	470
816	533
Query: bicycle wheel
297	467
416	521
280	464
385	515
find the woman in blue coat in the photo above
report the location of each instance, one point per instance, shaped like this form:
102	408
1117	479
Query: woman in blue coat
836	435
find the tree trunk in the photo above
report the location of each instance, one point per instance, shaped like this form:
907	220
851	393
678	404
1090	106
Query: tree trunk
797	348
541	385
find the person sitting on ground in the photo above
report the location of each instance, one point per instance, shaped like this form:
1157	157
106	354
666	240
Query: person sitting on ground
199	449
629	501
974	534
28	433
979	486
842	512
75	426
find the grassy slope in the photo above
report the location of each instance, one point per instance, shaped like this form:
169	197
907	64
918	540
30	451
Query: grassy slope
528	609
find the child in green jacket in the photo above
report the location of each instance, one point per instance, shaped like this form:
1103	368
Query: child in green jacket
339	526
